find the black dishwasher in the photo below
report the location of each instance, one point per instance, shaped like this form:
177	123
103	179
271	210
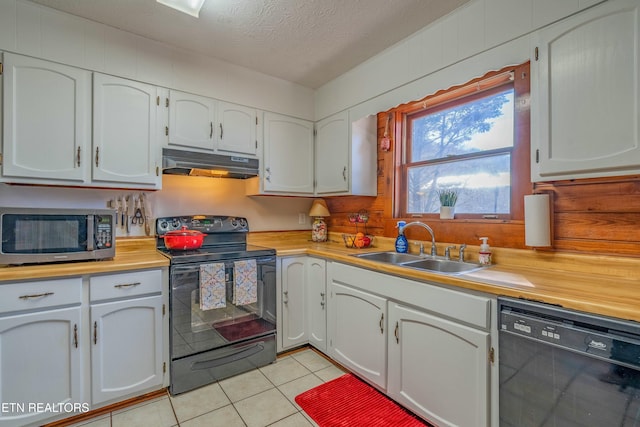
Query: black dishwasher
563	368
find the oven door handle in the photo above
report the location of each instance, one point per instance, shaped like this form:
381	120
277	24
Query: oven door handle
241	353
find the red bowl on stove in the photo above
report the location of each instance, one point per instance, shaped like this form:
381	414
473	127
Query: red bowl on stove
183	239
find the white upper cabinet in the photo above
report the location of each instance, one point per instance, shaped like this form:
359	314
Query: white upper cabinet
585	91
288	157
236	131
125	148
191	120
46	117
346	156
332	154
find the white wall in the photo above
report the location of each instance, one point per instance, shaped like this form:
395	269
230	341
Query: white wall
480	36
180	195
34	30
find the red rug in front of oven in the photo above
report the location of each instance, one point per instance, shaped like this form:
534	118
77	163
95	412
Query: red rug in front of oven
234	331
348	401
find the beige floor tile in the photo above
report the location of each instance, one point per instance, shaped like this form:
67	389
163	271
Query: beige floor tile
157	414
265	408
311	360
99	421
245	385
330	373
200	401
295	420
299	385
284	370
227	416
308	418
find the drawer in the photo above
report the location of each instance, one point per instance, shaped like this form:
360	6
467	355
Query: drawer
36	295
125	285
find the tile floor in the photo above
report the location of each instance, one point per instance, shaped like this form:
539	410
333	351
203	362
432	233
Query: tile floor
259	398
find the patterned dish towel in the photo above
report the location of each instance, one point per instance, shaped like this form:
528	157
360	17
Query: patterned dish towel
212	286
246	282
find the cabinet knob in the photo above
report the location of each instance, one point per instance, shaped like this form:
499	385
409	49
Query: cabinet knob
382	323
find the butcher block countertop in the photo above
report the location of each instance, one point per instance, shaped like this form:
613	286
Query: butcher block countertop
604	285
131	254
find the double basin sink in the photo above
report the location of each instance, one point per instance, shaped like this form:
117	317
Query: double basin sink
425	263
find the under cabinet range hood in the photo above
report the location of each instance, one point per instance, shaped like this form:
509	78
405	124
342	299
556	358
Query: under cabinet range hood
178	162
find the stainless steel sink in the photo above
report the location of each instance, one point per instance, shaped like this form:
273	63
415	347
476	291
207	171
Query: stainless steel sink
389	257
426	263
443	265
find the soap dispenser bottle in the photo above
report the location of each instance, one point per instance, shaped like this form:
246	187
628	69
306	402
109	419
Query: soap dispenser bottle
402	246
484	257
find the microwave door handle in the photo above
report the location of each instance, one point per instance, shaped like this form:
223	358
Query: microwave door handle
90	232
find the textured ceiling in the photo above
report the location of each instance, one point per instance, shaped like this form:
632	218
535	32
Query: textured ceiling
309	42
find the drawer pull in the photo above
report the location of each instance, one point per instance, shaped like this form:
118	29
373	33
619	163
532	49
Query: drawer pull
46	294
127	285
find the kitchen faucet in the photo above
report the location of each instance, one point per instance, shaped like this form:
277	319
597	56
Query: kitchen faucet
426	227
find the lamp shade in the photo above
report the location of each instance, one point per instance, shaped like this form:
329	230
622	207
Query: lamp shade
319	209
537	220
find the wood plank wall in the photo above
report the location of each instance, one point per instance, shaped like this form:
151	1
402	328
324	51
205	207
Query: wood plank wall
596	216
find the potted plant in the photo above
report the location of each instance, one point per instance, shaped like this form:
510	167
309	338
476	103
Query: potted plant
448	198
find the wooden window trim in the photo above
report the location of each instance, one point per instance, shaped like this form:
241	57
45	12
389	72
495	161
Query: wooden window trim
520	153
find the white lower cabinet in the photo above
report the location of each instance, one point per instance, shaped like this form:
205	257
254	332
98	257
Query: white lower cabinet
293	301
426	345
357	328
74	353
40	354
317	303
126	351
438	368
126	334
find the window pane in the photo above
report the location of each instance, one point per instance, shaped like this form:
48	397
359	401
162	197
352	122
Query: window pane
483	124
484	185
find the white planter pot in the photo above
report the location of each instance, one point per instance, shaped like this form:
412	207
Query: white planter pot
447	212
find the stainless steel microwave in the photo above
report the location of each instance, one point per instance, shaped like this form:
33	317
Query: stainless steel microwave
32	235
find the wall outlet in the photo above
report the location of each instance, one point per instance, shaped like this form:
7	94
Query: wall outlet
302	218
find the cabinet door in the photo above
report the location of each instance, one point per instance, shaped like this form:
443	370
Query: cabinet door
332	154
317	303
585	90
294	300
40	362
124	131
237	129
358	332
46	117
191	120
288	155
438	369
126	347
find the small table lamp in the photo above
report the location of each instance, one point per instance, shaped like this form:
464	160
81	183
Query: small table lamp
319	227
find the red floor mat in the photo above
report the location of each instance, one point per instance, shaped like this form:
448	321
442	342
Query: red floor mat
348	401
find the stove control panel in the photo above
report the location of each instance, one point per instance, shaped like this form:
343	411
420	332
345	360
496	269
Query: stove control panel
208	224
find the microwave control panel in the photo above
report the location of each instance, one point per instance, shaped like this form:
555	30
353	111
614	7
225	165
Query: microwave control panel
104	231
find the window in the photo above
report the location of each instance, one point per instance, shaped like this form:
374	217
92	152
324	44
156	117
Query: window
464	139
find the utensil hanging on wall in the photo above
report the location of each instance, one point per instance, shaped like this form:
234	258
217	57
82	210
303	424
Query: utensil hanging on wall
385	142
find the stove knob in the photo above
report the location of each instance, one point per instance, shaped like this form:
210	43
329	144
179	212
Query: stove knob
164	225
176	223
234	222
243	223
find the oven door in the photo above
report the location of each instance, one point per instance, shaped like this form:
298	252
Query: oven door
196	327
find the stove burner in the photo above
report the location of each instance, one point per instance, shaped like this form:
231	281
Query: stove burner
225	239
